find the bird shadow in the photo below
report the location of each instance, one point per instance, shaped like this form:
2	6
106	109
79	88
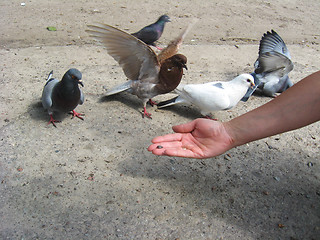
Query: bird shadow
126	98
38	113
123	97
135	103
189	112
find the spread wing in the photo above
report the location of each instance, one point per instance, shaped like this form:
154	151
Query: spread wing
275	63
135	57
173	46
271	41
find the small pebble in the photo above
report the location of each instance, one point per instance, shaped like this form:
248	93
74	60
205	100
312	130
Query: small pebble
159	147
310	164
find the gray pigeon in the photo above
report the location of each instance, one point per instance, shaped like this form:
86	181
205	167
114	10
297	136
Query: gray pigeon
212	96
152	32
64	95
272	66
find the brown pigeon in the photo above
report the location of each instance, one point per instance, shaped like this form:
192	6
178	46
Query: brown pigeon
149	75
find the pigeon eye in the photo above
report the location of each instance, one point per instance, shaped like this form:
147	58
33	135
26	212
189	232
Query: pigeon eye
73	77
248	80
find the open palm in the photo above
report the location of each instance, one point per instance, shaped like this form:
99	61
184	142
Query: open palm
201	138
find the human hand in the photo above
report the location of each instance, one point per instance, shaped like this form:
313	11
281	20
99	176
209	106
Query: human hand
201	138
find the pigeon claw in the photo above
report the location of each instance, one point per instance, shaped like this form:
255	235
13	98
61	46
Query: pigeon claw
210	117
145	113
152	103
52	120
75	114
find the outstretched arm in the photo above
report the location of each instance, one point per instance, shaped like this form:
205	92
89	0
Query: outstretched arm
296	107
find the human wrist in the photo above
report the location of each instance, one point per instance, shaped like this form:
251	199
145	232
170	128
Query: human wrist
234	134
228	128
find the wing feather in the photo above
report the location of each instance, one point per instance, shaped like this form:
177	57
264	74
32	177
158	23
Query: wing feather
174	45
132	54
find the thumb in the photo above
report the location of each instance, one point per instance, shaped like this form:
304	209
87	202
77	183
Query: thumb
185	128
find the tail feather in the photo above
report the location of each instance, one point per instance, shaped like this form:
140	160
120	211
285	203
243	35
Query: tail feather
120	88
50	75
170	102
50	78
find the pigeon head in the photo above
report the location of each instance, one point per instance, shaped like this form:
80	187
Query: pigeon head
73	75
171	72
179	60
164	19
247	78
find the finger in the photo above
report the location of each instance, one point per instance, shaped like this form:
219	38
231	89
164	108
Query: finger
173	149
179	153
158	151
167	138
165	145
185	128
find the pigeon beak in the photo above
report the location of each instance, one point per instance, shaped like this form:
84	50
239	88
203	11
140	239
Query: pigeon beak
80	82
252	85
185	66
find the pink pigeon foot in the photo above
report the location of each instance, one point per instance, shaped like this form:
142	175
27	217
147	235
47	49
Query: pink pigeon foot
75	114
145	113
152	103
52	120
209	117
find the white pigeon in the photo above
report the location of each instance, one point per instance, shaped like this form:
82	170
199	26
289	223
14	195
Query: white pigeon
212	96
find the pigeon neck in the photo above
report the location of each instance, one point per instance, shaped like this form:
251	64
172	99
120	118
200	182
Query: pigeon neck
160	26
68	88
169	77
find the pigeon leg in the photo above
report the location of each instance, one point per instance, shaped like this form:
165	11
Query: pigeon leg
145	113
152	103
75	114
210	117
52	120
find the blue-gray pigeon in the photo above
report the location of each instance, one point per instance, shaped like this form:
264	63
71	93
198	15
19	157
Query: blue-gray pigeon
272	66
64	95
